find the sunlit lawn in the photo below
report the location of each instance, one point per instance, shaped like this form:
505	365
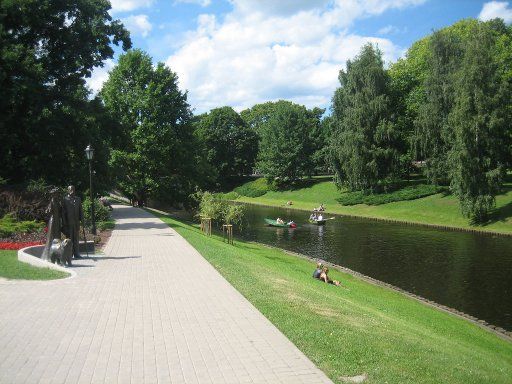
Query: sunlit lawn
360	328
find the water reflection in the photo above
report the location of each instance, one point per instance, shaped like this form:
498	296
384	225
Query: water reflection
470	272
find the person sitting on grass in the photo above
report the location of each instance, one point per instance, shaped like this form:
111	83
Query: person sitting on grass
325	278
318	270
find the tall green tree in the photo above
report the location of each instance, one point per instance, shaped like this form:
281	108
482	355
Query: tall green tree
230	145
365	142
433	128
47	48
156	155
481	122
285	146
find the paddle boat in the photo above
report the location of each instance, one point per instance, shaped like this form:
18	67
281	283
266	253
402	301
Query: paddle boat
274	223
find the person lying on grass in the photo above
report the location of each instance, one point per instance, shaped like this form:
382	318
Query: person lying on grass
325	278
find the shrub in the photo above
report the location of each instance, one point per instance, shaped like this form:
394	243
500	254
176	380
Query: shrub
106	225
233	214
407	193
253	188
101	213
9	226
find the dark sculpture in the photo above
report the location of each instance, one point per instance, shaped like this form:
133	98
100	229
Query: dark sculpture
72	215
55	222
60	251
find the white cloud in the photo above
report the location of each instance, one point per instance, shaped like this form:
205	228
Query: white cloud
494	9
99	76
202	3
138	24
280	49
129	5
390	30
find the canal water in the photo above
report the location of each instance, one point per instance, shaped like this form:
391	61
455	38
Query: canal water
466	271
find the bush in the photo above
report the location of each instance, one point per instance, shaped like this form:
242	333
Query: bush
101	213
407	193
253	188
106	225
9	226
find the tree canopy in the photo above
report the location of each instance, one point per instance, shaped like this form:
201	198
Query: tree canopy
228	142
156	154
365	142
47	48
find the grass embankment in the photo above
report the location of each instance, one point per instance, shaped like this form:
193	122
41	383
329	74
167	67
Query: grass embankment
437	209
11	268
360	328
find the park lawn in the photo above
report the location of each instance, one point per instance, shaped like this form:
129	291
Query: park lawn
359	328
438	209
11	268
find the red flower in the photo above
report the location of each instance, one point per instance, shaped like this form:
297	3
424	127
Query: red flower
18	245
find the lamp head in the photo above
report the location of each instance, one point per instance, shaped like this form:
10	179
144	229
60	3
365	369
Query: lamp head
89	152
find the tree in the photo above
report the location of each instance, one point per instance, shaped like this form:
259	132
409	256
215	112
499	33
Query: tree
229	144
481	121
285	146
364	146
47	48
155	156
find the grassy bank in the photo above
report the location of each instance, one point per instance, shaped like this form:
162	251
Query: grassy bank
11	268
359	328
437	209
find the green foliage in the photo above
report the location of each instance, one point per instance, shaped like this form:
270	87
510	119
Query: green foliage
38	186
46	118
101	213
365	145
106	225
156	155
228	142
9	226
209	205
233	214
11	268
407	193
480	120
227	196
285	146
253	188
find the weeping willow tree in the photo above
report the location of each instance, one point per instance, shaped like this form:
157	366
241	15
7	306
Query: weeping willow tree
364	145
480	121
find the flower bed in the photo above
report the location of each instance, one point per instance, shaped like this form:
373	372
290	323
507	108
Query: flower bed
15	245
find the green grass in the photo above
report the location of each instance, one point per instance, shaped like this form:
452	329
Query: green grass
9	225
412	192
358	328
437	209
11	268
253	188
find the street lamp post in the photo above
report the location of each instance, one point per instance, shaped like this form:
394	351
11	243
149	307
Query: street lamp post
89	153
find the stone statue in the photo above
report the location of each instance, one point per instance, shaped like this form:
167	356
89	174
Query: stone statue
60	251
55	222
72	215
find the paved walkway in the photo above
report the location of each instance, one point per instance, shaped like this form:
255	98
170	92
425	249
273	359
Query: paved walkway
152	310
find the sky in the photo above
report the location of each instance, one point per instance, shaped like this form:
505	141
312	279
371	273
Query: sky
243	52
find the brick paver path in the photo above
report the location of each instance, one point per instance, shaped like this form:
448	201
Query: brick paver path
152	310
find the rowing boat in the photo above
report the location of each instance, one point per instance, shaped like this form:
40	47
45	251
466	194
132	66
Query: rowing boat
318	222
274	223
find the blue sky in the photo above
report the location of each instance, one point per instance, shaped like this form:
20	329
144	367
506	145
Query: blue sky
243	52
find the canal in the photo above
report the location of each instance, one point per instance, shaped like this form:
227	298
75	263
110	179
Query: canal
466	271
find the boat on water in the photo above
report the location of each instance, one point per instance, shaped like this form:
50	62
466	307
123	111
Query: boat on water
317	222
274	223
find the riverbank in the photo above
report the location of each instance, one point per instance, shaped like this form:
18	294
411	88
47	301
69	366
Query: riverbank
359	328
437	210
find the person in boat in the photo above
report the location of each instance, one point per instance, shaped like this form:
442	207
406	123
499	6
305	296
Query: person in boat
318	270
325	277
279	221
320	217
312	216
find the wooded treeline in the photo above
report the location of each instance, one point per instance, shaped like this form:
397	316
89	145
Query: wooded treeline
446	105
